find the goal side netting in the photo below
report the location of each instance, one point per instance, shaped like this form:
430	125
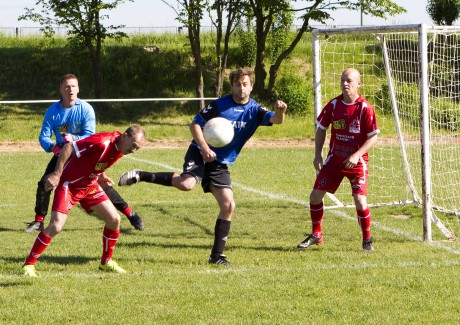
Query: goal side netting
411	75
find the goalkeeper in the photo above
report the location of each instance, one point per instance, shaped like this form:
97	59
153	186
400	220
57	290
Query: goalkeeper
70	119
354	131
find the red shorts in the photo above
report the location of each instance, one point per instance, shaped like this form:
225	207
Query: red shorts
65	197
333	172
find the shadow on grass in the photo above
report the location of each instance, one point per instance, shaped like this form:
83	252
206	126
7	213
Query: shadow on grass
7	229
202	246
71	259
17	283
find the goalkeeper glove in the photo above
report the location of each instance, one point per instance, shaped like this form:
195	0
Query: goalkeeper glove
67	137
55	149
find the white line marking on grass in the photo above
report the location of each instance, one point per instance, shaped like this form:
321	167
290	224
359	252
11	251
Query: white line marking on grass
307	204
153	163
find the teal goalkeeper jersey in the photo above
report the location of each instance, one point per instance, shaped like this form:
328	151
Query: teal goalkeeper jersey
78	120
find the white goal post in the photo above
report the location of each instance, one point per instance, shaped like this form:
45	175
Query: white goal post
411	75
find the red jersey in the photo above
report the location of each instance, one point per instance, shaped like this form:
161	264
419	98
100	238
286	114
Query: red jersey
93	155
352	125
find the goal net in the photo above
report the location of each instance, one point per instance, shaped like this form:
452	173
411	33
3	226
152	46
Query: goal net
411	75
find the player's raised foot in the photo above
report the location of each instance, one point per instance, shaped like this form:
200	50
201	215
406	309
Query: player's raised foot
221	260
367	245
34	225
129	178
136	221
111	266
29	271
309	241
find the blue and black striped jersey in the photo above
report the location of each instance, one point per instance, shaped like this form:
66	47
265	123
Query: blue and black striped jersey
245	119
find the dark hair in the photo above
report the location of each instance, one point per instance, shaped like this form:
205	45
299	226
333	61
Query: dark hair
237	74
67	76
135	129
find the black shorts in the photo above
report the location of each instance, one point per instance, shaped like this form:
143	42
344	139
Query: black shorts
213	173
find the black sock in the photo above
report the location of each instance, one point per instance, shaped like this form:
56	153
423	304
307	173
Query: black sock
116	198
221	232
157	178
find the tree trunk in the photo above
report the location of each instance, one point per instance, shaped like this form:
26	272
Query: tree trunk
263	23
219	54
194	38
95	53
275	67
222	55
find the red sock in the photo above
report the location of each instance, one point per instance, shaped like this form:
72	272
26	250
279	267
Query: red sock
109	240
39	246
39	218
316	213
127	211
364	220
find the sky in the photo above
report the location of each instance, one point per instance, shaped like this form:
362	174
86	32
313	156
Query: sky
155	13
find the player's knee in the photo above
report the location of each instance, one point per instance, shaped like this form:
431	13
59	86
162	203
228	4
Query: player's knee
53	229
186	184
316	197
228	207
360	201
113	221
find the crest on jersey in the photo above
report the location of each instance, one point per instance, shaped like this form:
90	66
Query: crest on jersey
101	166
63	128
339	124
354	126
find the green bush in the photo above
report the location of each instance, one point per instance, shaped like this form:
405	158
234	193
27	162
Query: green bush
297	92
246	50
445	113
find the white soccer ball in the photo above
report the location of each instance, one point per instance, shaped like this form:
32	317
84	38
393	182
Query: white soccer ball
218	132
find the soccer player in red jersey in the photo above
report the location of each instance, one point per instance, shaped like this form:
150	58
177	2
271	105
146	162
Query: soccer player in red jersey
354	131
75	180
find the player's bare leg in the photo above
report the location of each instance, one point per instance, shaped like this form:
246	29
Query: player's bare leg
57	222
184	182
122	206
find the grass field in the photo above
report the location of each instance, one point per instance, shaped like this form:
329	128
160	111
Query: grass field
169	282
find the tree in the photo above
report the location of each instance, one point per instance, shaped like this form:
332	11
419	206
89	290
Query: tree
84	20
233	17
268	17
265	12
190	13
443	12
